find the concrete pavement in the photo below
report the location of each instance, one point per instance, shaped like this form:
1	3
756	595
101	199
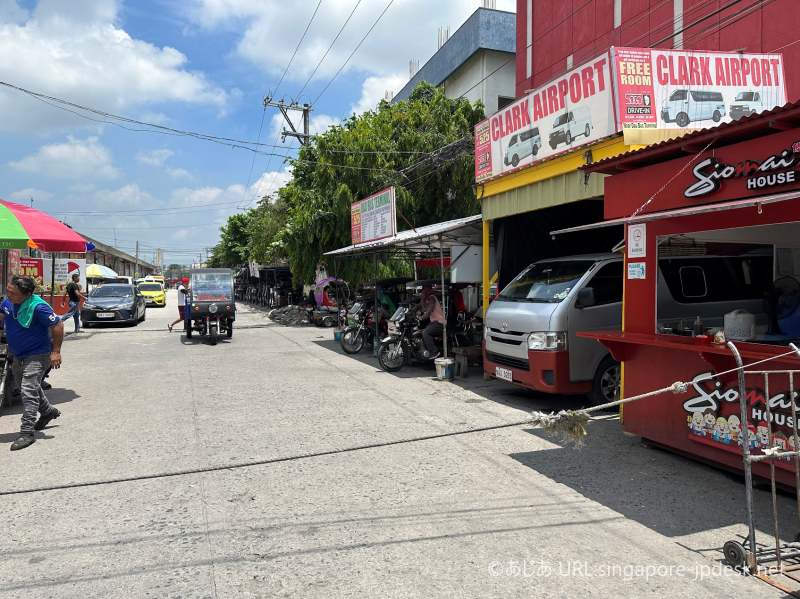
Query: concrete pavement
505	513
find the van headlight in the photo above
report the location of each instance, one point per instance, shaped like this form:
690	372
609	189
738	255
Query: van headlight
213	308
485	331
548	341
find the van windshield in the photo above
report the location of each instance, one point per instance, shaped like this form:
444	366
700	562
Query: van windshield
745	97
545	282
561	120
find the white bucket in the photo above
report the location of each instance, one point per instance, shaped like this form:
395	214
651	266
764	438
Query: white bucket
740	324
445	368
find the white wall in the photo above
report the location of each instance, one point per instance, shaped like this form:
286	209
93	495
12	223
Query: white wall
478	67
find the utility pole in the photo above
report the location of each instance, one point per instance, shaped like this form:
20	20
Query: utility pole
284	108
136	270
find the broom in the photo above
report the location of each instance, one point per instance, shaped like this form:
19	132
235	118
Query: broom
570	425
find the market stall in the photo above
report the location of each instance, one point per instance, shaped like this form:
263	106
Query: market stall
712	255
445	245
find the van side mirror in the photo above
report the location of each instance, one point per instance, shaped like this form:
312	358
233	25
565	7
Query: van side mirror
585	298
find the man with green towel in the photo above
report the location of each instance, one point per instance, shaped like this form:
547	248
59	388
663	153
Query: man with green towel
29	321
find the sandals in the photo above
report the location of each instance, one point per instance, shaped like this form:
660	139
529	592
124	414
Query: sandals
169	326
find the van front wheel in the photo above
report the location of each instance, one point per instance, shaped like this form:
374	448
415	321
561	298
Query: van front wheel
514	160
682	119
588	130
605	386
717	117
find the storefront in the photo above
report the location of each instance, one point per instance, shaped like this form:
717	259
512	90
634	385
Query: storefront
712	231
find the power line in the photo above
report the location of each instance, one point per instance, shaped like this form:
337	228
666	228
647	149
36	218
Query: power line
297	47
321	60
344	64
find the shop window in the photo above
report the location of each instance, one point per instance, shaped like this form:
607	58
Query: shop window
607	284
698	279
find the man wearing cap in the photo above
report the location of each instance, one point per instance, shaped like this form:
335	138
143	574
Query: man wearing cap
182	291
34	334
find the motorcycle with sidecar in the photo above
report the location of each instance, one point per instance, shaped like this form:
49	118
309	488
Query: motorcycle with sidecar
210	306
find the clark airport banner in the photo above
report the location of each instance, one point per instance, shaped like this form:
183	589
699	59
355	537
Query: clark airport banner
627	89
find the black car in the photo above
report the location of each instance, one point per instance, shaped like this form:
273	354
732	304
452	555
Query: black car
114	302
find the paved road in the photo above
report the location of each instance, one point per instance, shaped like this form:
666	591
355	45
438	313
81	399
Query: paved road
506	513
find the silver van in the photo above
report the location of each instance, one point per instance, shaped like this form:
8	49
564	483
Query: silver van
523	144
530	330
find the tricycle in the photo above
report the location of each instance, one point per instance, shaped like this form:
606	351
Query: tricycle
210	307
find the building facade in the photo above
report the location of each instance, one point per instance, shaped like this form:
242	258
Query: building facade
554	36
476	62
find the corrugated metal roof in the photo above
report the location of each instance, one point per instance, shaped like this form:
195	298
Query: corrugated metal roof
732	132
461	231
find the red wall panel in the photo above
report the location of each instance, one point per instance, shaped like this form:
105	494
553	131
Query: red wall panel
584	28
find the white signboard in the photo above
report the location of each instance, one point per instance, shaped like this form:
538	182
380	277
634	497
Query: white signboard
569	112
637	241
65	268
374	217
637	270
673	89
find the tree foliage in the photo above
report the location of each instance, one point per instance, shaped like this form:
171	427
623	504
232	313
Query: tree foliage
366	153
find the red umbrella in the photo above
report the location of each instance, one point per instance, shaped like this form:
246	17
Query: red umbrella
22	226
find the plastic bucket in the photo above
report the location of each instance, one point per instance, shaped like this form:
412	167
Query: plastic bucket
337	336
445	368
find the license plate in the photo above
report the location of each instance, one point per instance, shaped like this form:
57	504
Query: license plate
504	374
105	315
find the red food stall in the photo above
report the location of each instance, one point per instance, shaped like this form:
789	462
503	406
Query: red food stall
712	233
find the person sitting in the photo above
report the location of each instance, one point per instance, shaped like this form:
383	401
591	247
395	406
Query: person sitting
432	310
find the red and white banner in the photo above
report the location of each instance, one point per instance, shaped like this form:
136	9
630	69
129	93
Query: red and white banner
567	113
673	89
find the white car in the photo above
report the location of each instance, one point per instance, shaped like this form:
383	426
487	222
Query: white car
745	104
523	144
569	125
687	106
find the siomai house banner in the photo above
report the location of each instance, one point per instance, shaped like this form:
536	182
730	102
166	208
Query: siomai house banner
664	93
569	112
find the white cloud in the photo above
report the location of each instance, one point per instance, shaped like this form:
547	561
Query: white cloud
75	50
407	31
155	157
179	173
73	159
374	89
25	195
270	182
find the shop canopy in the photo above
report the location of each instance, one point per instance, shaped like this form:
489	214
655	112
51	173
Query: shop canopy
422	240
23	227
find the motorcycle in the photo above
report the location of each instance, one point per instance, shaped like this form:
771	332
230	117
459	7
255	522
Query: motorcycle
210	307
360	330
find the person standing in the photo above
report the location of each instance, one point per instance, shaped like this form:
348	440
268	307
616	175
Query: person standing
432	309
182	291
34	334
74	296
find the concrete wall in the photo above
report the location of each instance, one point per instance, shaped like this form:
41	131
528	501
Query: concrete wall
476	68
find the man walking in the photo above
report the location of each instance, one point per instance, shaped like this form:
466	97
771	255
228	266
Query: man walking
74	296
182	291
29	322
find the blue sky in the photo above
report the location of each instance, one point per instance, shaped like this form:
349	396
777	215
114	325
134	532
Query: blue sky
201	65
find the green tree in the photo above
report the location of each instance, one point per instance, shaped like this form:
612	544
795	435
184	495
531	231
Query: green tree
232	248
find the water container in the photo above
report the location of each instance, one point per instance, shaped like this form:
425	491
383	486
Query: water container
740	325
445	368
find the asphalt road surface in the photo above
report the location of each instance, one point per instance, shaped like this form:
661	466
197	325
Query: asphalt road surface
503	513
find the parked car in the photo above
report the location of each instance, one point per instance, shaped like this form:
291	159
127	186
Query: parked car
530	328
570	124
687	106
114	302
523	144
153	293
745	104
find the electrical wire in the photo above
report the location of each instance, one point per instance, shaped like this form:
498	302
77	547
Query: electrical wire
263	462
344	64
321	60
297	47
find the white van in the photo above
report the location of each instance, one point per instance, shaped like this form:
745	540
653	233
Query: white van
687	106
523	144
570	124
745	104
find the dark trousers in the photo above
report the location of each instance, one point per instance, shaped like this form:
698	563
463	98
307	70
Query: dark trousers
434	329
28	373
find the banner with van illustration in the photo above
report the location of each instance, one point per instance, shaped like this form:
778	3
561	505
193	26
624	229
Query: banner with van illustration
675	89
565	114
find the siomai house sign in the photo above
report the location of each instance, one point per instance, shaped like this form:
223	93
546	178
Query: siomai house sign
773	171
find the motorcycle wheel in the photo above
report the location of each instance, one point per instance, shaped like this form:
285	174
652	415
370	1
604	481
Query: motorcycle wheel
391	356
229	331
212	333
352	341
189	331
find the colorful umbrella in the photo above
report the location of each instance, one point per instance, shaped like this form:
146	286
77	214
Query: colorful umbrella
21	227
98	271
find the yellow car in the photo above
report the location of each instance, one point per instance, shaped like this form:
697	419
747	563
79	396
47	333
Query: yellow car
153	293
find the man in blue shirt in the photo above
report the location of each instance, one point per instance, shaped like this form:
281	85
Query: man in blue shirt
30	323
